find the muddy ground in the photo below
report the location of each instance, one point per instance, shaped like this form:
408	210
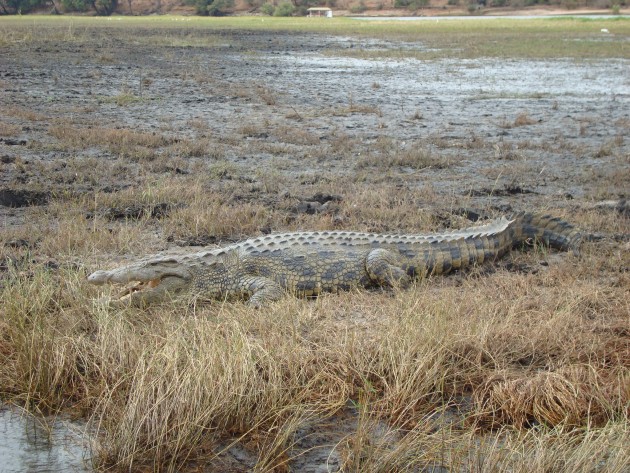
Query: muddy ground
518	133
299	124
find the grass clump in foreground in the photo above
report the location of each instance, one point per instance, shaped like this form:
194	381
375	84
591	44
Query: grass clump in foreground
489	372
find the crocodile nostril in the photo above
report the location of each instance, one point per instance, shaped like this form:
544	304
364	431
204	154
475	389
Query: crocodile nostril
98	277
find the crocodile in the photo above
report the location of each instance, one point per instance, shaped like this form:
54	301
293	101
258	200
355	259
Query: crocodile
265	268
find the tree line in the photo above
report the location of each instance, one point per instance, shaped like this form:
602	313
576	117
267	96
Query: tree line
279	7
18	7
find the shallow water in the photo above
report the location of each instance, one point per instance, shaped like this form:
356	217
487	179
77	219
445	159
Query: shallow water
33	445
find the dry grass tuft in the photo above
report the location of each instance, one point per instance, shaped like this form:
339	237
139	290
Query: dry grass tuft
24	113
523	119
388	153
7	129
570	396
122	142
294	135
363	209
41	359
200	147
266	94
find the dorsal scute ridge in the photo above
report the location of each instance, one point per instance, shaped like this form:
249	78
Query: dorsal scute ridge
333	237
342	238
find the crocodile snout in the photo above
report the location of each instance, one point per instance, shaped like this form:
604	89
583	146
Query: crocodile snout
99	277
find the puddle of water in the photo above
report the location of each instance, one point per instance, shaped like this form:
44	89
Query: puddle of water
32	445
475	78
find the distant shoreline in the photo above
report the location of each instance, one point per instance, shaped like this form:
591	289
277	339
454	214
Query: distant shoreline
485	12
443	11
593	16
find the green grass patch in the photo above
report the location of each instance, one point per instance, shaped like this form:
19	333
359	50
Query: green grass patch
570	37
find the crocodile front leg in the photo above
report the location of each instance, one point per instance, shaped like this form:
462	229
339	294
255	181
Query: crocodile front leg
261	290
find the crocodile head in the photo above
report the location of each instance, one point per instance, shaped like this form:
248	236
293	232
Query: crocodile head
148	281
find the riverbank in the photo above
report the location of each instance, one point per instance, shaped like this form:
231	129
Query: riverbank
367	9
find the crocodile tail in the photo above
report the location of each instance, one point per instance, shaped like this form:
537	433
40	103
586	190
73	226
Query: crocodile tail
551	231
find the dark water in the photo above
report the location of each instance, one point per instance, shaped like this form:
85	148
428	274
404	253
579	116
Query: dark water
33	445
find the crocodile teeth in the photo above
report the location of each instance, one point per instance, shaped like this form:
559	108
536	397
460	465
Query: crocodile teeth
137	287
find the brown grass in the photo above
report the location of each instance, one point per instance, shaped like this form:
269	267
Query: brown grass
119	141
524	119
7	129
389	154
535	352
294	135
266	94
451	372
24	113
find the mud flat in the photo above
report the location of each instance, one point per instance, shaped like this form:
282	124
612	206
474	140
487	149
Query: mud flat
293	104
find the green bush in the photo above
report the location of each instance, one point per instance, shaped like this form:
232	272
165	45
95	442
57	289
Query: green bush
20	6
220	7
307	3
213	8
101	7
201	7
104	7
410	4
284	9
76	5
267	9
360	8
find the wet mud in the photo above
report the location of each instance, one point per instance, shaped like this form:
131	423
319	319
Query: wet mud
526	130
30	445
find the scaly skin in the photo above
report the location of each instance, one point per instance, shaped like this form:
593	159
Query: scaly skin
263	269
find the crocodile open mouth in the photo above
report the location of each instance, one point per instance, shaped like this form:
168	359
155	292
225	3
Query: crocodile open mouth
152	290
138	286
